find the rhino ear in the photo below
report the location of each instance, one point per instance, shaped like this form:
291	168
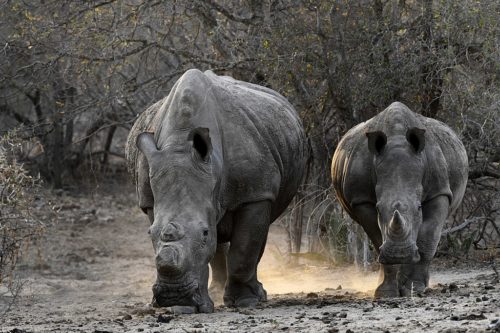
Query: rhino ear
146	144
376	141
416	138
202	143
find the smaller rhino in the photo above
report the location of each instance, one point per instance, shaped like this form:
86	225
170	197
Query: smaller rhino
400	175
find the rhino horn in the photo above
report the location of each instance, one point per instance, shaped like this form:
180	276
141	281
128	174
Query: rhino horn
168	260
397	227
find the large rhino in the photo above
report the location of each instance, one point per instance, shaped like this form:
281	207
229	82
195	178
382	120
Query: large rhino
400	175
215	162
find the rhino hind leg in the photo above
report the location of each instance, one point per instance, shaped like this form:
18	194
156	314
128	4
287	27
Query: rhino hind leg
219	272
251	225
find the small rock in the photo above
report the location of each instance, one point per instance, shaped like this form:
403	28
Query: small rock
342	315
453	287
488	287
126	317
198	325
339	287
453	300
484	298
246	312
144	311
312	295
164	318
475	316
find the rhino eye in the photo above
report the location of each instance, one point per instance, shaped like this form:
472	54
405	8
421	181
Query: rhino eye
205	232
419	206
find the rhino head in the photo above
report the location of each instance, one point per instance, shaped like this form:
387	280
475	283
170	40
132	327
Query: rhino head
399	172
184	176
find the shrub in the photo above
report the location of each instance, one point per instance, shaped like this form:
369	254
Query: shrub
18	226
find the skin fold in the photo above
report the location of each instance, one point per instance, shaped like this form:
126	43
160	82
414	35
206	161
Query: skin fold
215	163
400	175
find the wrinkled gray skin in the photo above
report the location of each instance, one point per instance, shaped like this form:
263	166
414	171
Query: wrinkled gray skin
217	161
400	175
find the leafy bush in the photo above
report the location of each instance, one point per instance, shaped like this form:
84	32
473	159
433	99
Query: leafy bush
18	226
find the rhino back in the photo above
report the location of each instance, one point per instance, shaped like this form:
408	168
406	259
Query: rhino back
263	143
455	156
352	169
257	131
147	121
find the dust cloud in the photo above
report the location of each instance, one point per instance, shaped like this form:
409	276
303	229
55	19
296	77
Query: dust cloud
281	274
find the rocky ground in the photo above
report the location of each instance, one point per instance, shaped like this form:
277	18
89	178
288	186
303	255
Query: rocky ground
93	272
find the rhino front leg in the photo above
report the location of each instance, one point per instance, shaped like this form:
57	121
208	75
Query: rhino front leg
388	286
249	235
366	216
219	271
414	278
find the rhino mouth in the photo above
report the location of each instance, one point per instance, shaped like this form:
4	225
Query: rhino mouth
170	294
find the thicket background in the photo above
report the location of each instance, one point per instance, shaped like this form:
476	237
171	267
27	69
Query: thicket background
75	74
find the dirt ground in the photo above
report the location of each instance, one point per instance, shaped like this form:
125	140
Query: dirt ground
93	272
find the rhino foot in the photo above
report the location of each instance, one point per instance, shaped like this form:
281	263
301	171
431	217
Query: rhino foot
384	291
248	296
412	288
179	309
413	279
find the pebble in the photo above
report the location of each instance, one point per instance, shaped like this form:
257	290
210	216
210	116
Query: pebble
164	318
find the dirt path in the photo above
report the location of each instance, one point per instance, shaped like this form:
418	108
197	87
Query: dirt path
95	272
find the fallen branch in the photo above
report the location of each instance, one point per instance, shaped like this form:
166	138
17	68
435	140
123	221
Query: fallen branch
101	152
461	226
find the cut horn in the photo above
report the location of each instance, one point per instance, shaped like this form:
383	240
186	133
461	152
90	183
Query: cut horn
397	227
168	261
